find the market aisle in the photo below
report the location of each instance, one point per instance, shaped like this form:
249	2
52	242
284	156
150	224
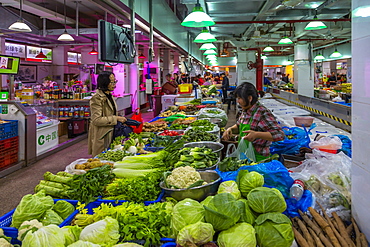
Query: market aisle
23	181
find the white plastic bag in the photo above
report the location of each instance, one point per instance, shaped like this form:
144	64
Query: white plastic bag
71	168
329	142
243	151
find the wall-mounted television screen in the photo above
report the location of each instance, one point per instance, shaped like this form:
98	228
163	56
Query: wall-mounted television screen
9	65
115	44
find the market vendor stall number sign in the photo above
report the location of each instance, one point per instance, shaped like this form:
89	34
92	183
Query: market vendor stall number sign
4	109
47	138
4	96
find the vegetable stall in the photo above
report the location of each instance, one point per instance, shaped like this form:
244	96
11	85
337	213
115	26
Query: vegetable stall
170	186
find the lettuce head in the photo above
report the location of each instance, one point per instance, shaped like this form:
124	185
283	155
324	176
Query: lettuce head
104	232
46	236
266	200
229	187
63	208
195	234
127	245
51	217
248	181
274	229
81	243
242	234
71	234
186	212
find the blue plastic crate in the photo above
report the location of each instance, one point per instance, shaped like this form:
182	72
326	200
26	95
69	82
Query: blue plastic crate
12	232
153	149
9	129
169	244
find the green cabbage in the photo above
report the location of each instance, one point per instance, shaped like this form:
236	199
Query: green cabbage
223	211
31	207
242	234
266	200
127	245
195	234
274	229
63	208
247	214
71	233
46	236
81	243
51	217
206	201
186	212
229	187
248	181
104	232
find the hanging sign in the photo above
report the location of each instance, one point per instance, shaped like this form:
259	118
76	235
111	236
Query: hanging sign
15	50
32	52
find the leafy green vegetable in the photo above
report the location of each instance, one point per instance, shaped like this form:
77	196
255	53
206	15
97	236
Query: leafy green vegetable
230	164
57	178
63	208
186	212
31	207
223	211
192	135
196	234
127	245
104	232
71	234
247	214
46	236
113	155
201	122
248	181
229	187
242	234
26	226
81	243
266	200
206	201
274	229
51	217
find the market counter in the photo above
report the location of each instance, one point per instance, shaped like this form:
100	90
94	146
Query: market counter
336	114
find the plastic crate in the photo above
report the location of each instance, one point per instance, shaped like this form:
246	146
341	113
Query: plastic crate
169	244
6	220
9	144
9	129
185	88
9	157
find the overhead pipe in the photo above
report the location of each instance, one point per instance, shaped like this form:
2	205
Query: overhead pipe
258	66
277	21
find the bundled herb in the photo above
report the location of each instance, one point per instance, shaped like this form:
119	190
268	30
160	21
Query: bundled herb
113	155
87	187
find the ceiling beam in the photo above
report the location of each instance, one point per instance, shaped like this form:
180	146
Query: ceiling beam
277	21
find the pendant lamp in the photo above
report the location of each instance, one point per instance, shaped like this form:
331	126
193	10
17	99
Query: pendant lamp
285	40
205	37
65	36
264	57
208	46
224	54
142	56
197	18
41	55
315	25
336	54
268	48
210	52
319	56
93	51
19	25
210	56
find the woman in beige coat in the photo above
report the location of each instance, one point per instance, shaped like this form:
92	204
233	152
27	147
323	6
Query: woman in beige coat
103	114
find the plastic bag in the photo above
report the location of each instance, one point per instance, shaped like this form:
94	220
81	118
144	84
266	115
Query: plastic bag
299	138
71	168
328	142
242	152
205	113
346	145
138	117
303	204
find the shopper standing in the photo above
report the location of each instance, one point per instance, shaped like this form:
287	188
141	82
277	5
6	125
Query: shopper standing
256	124
103	114
225	86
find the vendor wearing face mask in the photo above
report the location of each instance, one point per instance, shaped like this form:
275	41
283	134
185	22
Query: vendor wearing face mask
103	114
256	124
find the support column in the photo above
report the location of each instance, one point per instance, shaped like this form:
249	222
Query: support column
303	70
166	62
86	58
134	83
156	64
176	62
360	168
183	69
243	73
119	72
3	78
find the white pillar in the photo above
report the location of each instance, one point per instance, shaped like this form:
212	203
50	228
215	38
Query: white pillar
134	83
176	57
303	70
360	116
87	59
243	73
166	62
119	72
60	66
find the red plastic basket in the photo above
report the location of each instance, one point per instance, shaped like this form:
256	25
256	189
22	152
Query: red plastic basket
8	145
8	158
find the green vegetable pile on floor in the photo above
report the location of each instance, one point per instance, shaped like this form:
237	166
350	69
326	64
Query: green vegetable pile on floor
57	185
197	157
89	186
136	221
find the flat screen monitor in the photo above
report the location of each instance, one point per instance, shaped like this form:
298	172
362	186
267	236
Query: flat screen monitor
115	44
9	65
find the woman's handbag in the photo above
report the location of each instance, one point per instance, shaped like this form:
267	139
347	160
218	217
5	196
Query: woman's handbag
121	129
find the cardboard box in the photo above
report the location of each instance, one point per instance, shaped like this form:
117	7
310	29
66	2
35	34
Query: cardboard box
62	129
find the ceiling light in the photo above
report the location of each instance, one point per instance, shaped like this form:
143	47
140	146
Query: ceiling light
209	56
362	11
336	54
205	37
212	59
315	25
268	48
210	52
142	56
264	57
208	46
224	54
93	51
19	25
288	62
197	18
65	36
41	55
319	57
285	41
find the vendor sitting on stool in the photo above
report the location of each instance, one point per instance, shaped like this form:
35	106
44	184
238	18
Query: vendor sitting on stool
256	123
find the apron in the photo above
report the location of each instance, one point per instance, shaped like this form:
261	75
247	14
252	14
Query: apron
245	127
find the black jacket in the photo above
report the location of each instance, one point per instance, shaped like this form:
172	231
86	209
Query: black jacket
225	83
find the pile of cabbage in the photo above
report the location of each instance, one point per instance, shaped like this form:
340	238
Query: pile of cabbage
243	213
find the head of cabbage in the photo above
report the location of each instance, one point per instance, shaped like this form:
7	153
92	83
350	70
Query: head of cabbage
248	181
247	214
104	232
46	236
274	229
81	243
195	234
266	200
223	211
71	233
241	234
127	245
229	187
186	212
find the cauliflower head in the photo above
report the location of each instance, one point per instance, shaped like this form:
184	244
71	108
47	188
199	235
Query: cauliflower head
182	177
32	225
